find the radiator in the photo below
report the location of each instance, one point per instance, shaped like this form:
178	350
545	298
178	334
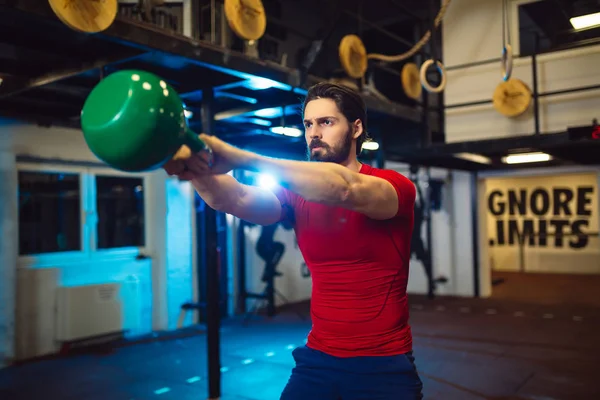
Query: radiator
88	311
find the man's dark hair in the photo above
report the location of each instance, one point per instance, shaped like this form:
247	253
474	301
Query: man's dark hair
348	101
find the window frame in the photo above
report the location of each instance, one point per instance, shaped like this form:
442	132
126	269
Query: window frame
515	23
89	216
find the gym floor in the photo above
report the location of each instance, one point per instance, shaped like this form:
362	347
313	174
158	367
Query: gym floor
465	349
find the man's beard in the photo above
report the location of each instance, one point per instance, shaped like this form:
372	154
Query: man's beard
326	153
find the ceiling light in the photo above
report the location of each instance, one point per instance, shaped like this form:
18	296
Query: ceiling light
370	145
260	83
586	21
477	158
526	158
255	121
271	112
234	96
287	131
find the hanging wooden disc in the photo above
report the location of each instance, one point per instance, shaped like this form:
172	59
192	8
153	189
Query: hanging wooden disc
88	16
353	56
411	81
246	18
512	98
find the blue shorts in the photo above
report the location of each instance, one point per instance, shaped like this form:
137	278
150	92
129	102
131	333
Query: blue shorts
318	376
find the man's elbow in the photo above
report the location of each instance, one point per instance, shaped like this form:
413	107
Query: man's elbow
221	206
256	206
330	193
344	193
354	197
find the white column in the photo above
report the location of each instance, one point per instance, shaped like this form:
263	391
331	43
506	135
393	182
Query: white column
9	249
156	203
462	233
179	269
485	268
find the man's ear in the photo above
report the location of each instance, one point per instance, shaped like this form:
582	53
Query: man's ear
357	128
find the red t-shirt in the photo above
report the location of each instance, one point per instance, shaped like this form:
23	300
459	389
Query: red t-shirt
359	269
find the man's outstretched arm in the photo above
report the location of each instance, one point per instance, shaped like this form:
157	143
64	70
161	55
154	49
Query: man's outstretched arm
224	193
333	184
326	183
250	203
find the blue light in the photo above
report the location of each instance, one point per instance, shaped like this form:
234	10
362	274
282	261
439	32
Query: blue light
245	99
266	181
268	112
255	121
259	83
258	121
287	131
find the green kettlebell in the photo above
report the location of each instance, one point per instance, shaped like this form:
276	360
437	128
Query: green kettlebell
134	121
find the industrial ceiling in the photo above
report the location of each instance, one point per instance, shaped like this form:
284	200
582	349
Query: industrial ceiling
48	69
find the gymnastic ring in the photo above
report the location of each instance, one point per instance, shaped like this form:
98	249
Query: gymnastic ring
442	72
507	62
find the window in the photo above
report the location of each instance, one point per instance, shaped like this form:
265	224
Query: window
120	208
79	210
49	212
549	22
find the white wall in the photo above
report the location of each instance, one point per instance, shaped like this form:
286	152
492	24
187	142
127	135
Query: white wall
472	31
153	288
477	26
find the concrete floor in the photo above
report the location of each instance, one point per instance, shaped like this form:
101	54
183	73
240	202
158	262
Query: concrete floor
548	289
465	349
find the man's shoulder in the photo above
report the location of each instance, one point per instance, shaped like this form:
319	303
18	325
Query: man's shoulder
386	173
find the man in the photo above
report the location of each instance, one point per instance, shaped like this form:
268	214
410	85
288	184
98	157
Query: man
354	225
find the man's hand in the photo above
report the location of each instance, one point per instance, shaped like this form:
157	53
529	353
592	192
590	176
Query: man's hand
222	159
225	157
177	166
219	190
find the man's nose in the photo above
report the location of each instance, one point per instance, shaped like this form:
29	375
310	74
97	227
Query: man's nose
315	133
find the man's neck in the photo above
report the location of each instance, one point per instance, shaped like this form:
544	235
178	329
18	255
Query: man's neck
352	163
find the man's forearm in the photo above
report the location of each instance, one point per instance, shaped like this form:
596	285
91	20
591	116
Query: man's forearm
218	191
326	183
224	193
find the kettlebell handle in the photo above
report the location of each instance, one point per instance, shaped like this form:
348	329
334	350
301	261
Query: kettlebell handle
195	144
